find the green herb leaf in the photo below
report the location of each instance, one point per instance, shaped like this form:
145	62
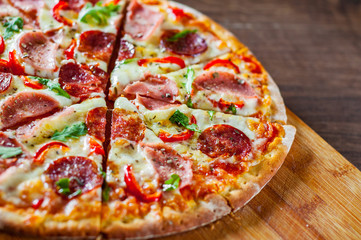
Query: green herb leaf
74	131
53	86
232	108
12	25
126	61
172	183
189	102
179	35
63	185
190	75
211	114
8	152
105	193
98	14
181	119
102	172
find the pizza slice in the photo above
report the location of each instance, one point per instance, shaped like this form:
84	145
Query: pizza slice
182	173
51	173
162	36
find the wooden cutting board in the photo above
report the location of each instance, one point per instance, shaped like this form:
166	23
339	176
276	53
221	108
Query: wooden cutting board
315	195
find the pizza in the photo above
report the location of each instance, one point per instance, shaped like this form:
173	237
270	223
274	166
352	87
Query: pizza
129	119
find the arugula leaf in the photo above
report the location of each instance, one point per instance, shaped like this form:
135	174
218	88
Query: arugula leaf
190	75
12	25
211	114
53	86
102	172
73	131
181	34
8	152
172	183
189	102
232	108
126	61
105	193
63	185
98	14
181	119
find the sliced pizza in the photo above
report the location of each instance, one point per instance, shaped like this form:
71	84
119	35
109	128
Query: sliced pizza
51	173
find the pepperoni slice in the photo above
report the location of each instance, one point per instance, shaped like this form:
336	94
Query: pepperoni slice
26	106
223	82
156	87
97	44
189	45
126	50
38	50
81	81
166	161
224	141
96	121
5	141
141	21
5	81
127	125
82	173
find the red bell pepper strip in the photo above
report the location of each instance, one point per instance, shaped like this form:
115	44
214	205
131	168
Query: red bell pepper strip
61	5
134	188
40	154
37	203
222	62
183	136
2	45
174	60
33	84
95	147
223	104
179	13
254	66
69	52
14	64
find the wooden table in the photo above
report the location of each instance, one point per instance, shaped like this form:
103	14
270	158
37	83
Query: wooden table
312	48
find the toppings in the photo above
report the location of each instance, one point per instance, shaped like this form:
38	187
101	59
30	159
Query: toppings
81	81
174	60
153	104
38	50
232	108
11	66
32	84
134	188
8	152
190	75
160	88
141	21
224	141
74	131
2	45
98	14
12	25
211	114
25	106
69	52
53	86
71	176
224	82
172	183
5	81
96	121
186	43
126	50
253	65
95	147
166	161
127	125
224	63
39	156
181	119
97	44
60	6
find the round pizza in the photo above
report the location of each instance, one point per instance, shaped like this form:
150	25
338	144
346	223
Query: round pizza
129	119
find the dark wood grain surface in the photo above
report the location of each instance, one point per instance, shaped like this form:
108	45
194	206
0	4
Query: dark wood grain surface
312	48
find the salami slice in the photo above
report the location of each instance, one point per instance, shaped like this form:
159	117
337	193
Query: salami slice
26	106
224	141
153	104
223	82
5	81
97	44
166	161
38	50
141	22
156	87
81	81
189	45
96	121
82	173
127	125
